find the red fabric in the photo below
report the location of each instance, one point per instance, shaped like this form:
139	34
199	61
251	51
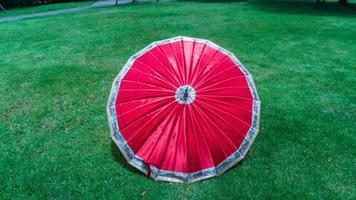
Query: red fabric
184	137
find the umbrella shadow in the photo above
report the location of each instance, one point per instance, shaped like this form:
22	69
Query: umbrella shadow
119	158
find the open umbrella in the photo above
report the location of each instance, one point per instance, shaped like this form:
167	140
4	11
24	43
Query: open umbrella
183	109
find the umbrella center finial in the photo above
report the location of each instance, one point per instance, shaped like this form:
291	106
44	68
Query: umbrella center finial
185	94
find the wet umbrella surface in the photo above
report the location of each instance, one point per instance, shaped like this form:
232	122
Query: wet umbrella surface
183	109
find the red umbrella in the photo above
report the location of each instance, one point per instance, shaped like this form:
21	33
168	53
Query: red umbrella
183	109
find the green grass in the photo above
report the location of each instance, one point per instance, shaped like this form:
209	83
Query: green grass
43	8
56	73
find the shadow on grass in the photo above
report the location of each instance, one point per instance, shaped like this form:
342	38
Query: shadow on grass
119	158
213	1
307	8
295	7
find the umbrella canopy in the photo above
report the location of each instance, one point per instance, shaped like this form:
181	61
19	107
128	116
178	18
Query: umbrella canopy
183	109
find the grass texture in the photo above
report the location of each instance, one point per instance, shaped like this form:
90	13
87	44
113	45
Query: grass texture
43	8
56	73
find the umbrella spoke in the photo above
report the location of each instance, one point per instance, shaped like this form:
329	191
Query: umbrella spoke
226	122
153	146
145	83
224	103
202	114
184	64
171	131
223	81
148	90
178	64
208	78
224	97
170	64
229	113
194	71
221	88
202	68
209	72
152	76
214	124
189	68
197	122
141	106
161	97
165	68
157	73
143	116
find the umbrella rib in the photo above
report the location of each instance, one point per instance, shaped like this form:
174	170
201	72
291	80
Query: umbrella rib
139	107
195	138
190	64
142	128
175	119
233	127
178	122
184	64
147	90
198	63
169	116
211	133
177	142
146	98
229	113
170	64
222	88
222	102
215	75
224	80
185	136
159	79
139	131
222	96
139	118
207	75
156	72
175	58
212	122
164	67
139	81
202	68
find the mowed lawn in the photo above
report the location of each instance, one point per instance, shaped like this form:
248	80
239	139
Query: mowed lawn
56	74
43	8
